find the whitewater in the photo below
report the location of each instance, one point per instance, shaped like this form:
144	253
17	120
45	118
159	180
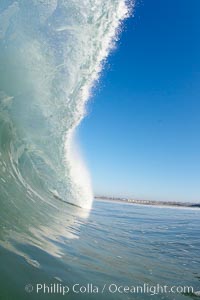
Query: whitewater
51	54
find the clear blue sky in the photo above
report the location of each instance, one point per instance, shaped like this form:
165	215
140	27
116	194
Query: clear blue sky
141	137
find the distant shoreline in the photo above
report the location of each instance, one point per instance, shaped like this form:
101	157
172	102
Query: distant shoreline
148	202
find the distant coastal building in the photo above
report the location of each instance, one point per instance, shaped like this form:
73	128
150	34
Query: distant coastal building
149	202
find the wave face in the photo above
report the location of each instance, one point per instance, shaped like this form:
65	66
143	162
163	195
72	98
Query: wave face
51	53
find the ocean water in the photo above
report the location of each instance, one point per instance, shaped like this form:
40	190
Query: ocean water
116	245
51	55
54	241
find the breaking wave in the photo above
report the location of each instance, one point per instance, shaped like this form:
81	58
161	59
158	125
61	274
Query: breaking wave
51	53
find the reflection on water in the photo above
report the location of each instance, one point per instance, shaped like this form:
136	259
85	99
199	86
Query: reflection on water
116	243
47	228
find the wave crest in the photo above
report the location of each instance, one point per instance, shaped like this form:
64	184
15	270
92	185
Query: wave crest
51	54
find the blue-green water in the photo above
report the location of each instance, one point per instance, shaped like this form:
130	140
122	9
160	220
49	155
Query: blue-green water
120	244
51	53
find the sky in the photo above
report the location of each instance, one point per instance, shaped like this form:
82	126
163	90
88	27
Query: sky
141	136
